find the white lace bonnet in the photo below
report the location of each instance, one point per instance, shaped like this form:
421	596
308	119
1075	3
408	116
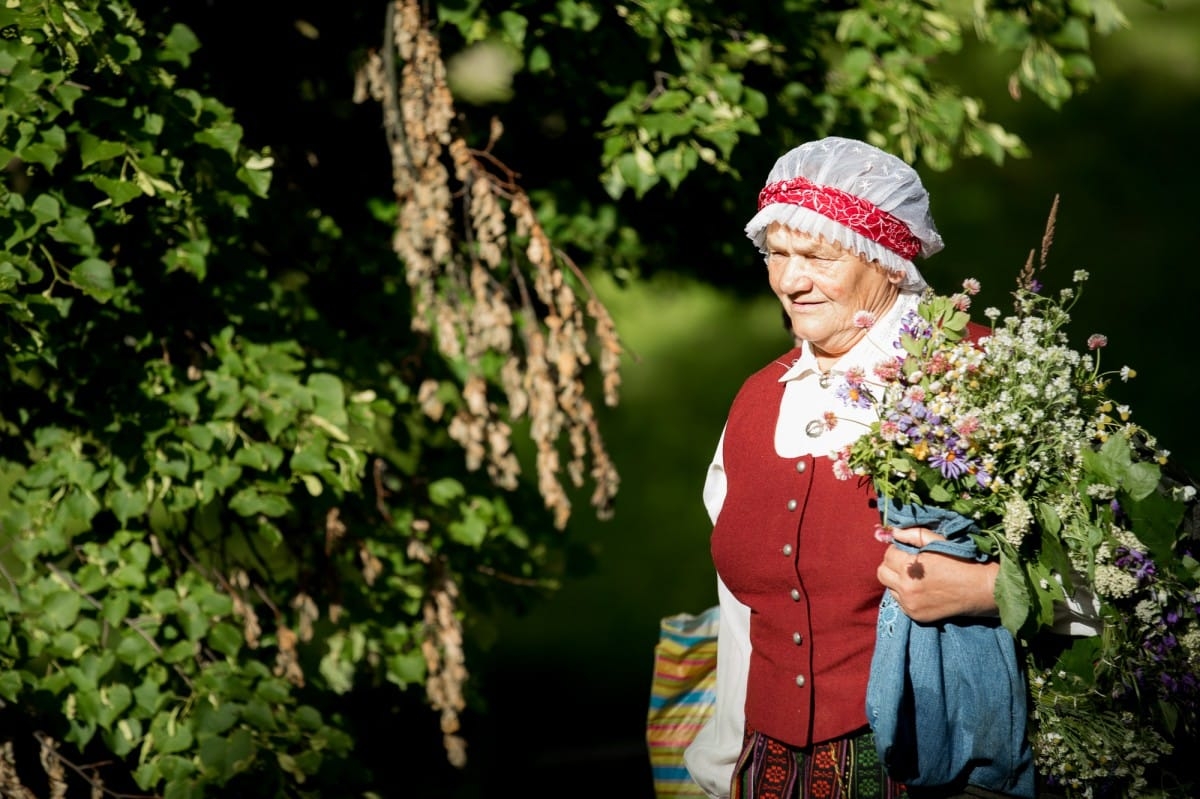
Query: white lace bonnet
855	194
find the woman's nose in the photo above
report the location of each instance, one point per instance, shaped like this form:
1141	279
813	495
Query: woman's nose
795	275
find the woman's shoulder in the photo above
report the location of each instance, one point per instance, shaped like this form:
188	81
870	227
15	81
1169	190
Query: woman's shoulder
777	366
770	372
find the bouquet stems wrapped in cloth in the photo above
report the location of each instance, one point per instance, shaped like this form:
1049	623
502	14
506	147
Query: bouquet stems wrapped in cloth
947	701
1010	443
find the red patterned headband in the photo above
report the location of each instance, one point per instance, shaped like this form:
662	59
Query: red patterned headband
854	212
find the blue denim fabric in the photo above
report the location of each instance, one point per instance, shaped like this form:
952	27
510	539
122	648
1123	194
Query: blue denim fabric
947	701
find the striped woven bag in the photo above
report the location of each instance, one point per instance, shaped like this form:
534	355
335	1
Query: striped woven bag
682	695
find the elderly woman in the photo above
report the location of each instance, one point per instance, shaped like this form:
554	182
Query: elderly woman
799	571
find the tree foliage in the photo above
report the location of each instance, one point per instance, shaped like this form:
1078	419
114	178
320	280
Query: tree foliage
300	352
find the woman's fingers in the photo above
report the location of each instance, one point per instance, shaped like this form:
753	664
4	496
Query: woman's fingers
915	536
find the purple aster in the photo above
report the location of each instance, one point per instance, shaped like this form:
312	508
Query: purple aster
950	463
856	396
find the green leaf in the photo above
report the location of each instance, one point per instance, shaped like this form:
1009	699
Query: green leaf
853	68
135	650
180	652
225	136
277	416
61	608
10	684
124	737
190	256
1141	480
1073	35
311	458
81	732
443	492
178	45
338	667
1155	521
329	397
667	126
95	278
128	576
193	622
1080	658
93	149
470	531
260	716
1012	595
939	494
257	180
127	503
75	230
226	639
313	485
221	477
148	697
1054	554
215	721
637	170
115	699
251	502
406	669
119	191
181	787
226	757
170	734
671	100
538	60
42	154
115	608
677	163
308	717
262	456
273	691
1108	16
515	26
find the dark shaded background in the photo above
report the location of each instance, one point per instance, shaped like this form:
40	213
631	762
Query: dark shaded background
568	684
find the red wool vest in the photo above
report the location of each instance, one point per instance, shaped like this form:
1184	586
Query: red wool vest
796	545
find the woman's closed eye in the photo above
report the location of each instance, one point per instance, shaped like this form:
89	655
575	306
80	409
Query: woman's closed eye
819	258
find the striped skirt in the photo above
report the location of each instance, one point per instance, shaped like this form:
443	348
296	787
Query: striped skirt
848	768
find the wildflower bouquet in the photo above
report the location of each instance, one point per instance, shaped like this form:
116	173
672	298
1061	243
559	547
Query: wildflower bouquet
1009	426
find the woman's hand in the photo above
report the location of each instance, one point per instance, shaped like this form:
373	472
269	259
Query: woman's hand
930	586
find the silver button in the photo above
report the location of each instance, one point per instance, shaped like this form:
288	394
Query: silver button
797	639
826	379
801	466
793	504
800	680
795	594
814	428
787	549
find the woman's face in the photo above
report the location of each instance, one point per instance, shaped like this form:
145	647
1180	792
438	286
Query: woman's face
822	285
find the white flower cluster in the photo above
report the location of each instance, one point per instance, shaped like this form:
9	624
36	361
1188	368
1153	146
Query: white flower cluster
1018	518
1079	749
